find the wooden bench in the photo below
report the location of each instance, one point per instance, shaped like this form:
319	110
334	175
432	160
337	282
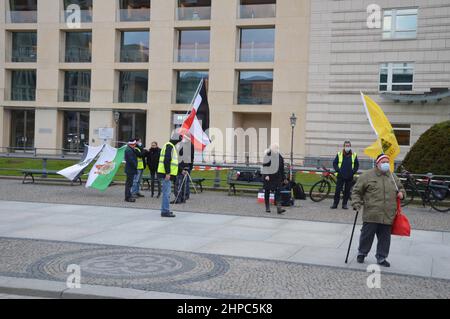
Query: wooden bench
31	172
244	176
147	180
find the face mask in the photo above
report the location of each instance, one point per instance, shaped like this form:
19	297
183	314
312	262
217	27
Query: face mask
139	144
385	167
347	149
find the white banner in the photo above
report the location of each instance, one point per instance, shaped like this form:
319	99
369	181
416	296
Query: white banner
73	171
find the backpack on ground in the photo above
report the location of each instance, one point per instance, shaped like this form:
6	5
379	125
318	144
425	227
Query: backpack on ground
299	192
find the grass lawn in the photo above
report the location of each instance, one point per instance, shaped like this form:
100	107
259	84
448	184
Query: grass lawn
13	167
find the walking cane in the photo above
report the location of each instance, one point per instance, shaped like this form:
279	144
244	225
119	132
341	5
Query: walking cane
351	238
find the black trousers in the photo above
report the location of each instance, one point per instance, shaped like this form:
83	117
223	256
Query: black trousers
342	184
129	185
368	232
267	196
154	179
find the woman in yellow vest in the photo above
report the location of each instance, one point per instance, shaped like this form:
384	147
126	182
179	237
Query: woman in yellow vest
346	165
168	171
140	154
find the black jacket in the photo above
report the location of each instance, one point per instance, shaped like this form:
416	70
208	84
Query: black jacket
277	177
186	162
130	161
153	155
346	171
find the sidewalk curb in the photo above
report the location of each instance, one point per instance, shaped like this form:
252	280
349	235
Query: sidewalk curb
59	290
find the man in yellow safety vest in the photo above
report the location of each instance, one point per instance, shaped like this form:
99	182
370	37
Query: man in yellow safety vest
140	154
168	171
346	165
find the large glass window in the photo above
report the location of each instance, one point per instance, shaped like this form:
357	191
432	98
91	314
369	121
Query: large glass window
22	11
194	10
134	10
23	85
193	46
133	86
77	86
78	46
134	46
85	7
400	24
22	130
403	134
257	45
396	77
253	9
255	87
187	85
76	131
24	47
132	125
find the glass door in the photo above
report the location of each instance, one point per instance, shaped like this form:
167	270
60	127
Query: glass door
76	131
22	130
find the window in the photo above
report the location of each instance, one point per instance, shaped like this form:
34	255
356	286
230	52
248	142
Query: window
400	24
22	130
257	45
77	86
132	125
24	47
134	46
255	87
133	86
76	131
85	7
194	10
251	9
134	10
396	77
193	46
403	134
23	85
22	11
187	85
78	46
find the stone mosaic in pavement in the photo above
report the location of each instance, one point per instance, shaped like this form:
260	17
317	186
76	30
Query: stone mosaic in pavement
202	275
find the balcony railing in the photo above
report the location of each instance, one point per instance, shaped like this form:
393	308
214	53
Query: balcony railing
194	13
74	55
256	55
23	94
86	16
192	55
22	17
129	15
256	11
77	95
133	56
24	54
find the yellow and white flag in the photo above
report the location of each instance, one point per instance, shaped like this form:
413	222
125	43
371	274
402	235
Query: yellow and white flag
386	142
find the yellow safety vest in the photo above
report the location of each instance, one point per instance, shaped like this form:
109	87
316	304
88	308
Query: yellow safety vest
173	163
140	161
341	159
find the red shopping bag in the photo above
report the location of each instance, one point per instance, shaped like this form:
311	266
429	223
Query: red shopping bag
401	226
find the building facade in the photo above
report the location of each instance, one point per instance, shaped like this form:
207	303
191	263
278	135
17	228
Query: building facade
132	67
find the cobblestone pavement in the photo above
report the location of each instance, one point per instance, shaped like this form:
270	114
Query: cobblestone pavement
208	202
201	275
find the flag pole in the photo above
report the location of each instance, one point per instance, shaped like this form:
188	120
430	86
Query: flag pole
195	95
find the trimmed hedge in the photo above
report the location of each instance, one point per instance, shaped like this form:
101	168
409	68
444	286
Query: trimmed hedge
431	153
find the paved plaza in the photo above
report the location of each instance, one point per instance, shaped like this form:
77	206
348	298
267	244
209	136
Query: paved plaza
205	255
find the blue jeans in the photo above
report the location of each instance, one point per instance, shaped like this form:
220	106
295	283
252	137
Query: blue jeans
166	191
137	182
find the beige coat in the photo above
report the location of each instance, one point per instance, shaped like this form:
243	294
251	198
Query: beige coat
378	194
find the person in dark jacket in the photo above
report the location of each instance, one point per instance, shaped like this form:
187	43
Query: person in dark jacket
130	169
274	176
152	162
168	171
141	154
185	166
346	165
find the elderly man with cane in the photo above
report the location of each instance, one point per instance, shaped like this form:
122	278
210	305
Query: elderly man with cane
377	190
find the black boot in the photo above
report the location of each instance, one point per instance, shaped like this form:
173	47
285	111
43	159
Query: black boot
267	206
280	210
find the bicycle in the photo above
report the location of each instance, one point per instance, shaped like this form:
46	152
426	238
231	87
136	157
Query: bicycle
433	193
320	190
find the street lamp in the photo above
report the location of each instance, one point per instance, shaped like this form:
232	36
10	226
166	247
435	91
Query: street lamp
116	119
293	119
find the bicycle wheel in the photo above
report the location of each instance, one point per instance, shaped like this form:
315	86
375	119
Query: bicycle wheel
320	191
439	203
409	196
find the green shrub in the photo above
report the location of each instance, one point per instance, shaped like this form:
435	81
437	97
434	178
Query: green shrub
431	153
